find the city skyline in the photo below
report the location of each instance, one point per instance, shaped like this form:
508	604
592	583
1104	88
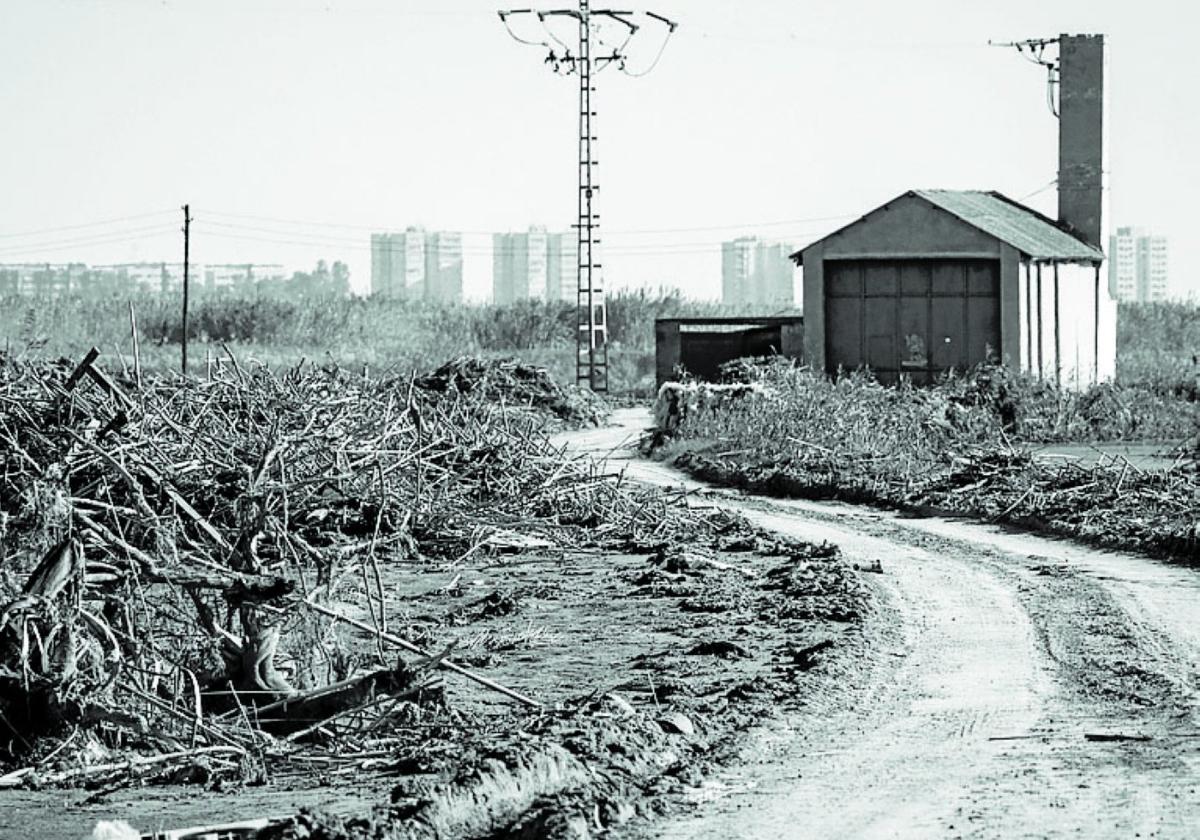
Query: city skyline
44	278
681	173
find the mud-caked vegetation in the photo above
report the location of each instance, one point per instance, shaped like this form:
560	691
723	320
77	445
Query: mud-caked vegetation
965	445
254	577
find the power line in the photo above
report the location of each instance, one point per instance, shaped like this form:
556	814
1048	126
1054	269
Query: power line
357	244
1039	190
791	39
386	228
86	225
111	238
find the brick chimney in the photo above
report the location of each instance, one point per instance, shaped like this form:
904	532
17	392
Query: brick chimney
1081	137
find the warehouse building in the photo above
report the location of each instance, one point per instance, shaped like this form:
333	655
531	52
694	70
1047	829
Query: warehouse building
944	279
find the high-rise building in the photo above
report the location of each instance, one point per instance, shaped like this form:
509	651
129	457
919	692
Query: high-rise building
562	266
1137	265
534	264
756	272
398	264
444	267
416	264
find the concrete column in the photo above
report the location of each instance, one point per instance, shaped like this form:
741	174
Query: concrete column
1010	306
1081	136
814	307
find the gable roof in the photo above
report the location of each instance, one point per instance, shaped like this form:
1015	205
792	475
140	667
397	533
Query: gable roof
997	215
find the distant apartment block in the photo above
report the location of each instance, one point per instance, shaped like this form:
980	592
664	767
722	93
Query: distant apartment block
1137	265
49	280
416	265
444	267
756	272
230	275
41	279
534	265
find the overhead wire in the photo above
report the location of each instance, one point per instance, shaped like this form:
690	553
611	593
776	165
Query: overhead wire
251	233
381	228
84	225
14	250
662	48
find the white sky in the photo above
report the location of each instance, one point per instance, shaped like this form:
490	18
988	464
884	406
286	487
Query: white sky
384	113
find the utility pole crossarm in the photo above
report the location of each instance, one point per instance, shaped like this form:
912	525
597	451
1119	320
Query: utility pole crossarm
1033	50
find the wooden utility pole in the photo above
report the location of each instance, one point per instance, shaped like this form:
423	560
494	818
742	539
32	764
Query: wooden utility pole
187	224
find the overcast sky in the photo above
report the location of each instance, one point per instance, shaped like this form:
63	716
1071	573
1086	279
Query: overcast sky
295	127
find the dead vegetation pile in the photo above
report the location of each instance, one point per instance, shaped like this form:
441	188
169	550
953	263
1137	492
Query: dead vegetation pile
181	560
515	385
951	448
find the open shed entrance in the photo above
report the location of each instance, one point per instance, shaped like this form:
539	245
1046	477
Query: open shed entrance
703	352
701	345
918	317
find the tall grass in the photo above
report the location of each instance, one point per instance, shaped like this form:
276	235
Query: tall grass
1156	342
379	332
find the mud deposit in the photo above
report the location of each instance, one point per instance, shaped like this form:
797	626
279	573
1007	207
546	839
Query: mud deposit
648	664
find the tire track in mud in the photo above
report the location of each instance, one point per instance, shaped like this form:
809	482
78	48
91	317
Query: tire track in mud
992	656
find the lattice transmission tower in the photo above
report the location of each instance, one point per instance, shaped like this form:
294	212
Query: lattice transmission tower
595	50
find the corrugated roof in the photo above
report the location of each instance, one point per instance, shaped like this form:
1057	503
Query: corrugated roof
1026	230
995	214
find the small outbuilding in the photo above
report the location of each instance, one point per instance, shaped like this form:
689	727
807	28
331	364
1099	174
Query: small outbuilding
701	345
942	279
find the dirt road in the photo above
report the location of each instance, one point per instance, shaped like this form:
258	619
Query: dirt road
1018	687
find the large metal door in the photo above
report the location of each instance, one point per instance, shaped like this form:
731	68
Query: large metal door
912	317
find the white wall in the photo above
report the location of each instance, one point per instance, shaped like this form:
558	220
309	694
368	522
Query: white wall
1078	337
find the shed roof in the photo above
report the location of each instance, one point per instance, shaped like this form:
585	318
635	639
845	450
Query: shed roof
1025	229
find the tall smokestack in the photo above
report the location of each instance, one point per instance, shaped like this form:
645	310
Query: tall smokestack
1081	136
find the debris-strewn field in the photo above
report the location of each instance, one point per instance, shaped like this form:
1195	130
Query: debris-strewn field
960	447
260	582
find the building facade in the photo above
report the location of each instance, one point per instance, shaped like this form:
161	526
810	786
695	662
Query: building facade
417	265
55	280
534	265
1137	268
756	272
940	280
444	267
241	275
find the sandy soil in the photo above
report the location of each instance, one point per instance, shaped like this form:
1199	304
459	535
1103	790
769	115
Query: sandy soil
1007	679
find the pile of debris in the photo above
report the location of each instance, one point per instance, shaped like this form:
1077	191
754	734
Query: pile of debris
1110	502
516	385
177	558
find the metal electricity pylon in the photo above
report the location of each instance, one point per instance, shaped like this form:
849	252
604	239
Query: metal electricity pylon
595	52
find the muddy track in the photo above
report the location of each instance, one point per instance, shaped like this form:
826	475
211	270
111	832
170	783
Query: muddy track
1016	687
